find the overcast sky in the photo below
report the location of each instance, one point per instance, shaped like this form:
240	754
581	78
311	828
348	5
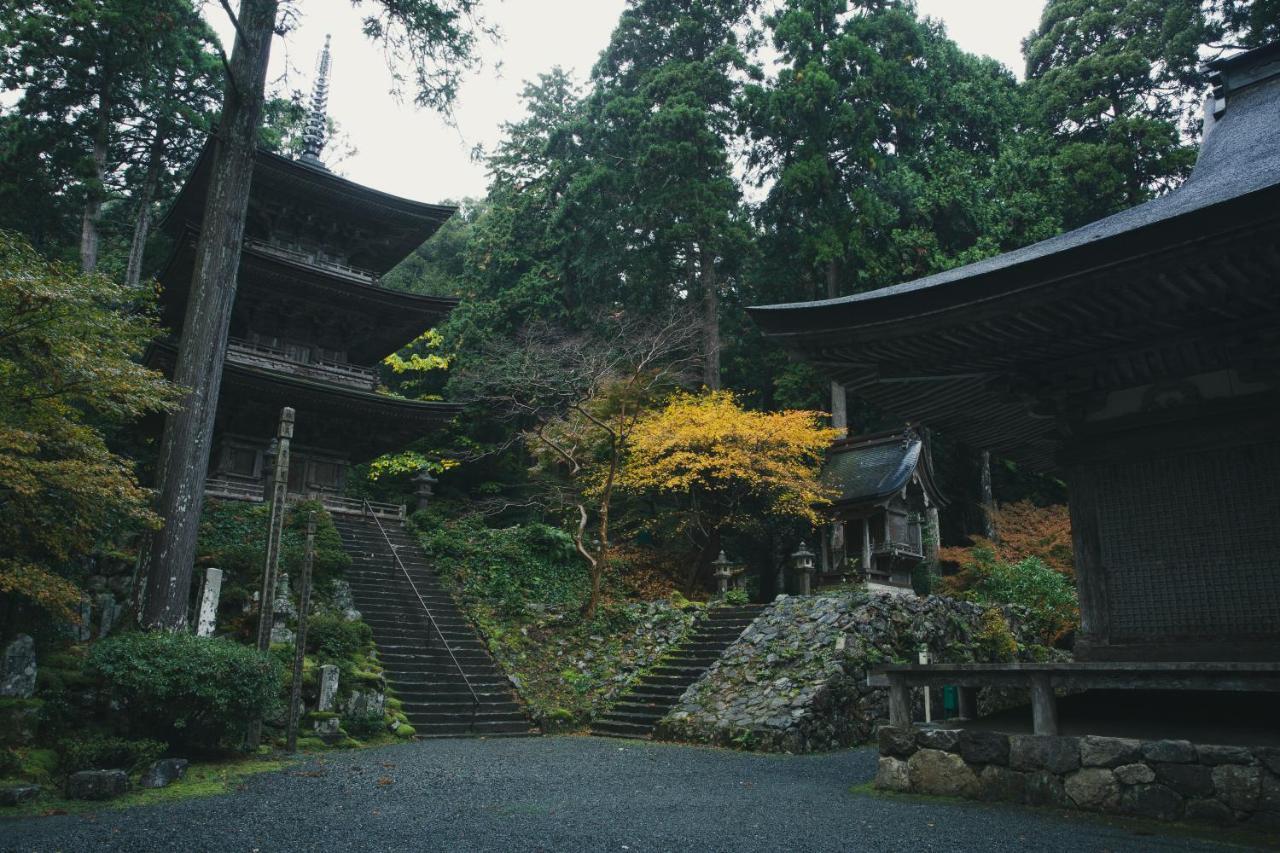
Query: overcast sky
414	153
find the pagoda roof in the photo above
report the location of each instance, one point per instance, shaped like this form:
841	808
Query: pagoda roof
974	350
390	227
869	469
390	318
368	424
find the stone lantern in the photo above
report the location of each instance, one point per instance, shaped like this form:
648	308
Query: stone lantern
802	563
424	482
723	572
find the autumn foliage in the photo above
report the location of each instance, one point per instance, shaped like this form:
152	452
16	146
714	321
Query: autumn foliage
1025	530
68	372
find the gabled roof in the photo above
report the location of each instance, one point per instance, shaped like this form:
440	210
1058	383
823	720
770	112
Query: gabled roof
868	469
985	351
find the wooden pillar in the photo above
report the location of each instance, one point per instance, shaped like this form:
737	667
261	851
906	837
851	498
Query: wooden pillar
899	703
967	702
1044	705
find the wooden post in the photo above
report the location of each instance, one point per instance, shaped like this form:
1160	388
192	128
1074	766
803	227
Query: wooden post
275	529
300	642
1044	705
899	703
967	703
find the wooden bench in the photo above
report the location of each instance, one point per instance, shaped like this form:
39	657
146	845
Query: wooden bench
1043	678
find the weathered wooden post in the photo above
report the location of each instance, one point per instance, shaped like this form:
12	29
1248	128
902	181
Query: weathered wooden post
275	528
300	642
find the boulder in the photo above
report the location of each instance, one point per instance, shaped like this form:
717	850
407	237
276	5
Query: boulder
1049	752
164	772
1044	788
984	747
1093	788
18	668
1189	780
97	784
897	742
1169	751
1209	810
1135	774
1212	754
943	739
16	795
891	775
932	771
1000	784
1109	751
1154	801
1238	786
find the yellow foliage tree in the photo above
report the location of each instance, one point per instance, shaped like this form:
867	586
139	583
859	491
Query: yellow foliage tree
727	467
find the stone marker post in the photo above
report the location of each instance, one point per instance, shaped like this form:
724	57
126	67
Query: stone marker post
300	642
328	728
208	617
18	668
279	494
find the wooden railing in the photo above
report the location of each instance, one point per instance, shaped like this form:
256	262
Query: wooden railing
244	489
312	259
275	358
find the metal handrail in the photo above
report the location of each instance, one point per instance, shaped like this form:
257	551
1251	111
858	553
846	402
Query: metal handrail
475	698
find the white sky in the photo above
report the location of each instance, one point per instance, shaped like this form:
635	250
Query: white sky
414	153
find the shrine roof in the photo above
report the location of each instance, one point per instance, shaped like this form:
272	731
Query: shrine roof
868	469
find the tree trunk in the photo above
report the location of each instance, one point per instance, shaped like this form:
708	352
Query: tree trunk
839	401
93	197
184	451
988	502
710	320
142	221
701	570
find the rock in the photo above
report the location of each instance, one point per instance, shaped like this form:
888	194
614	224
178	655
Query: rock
1189	780
1109	751
97	784
328	687
943	739
1154	801
1135	774
984	747
891	775
1270	758
1000	784
1209	810
18	668
1270	799
1239	787
932	771
897	742
16	795
164	772
1169	751
1050	752
1044	788
1210	754
1093	788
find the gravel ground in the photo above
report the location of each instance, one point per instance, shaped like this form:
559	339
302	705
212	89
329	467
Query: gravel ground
572	793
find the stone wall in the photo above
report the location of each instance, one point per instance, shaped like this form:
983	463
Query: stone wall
1160	779
796	680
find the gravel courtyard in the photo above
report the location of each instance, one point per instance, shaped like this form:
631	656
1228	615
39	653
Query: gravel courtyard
571	793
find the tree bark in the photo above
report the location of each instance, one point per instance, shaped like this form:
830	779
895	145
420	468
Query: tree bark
839	400
184	451
710	319
142	221
93	198
988	502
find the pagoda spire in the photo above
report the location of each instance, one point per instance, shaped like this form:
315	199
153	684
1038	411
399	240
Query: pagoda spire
313	138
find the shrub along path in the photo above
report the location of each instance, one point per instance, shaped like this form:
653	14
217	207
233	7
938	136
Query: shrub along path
572	793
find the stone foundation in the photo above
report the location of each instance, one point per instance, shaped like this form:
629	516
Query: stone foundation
1168	780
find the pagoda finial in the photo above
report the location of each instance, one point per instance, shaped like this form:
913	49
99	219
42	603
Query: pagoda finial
313	138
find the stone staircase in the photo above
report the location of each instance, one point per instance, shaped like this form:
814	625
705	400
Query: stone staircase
638	710
418	666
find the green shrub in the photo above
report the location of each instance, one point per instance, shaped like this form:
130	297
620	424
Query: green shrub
108	753
1048	595
191	691
737	597
332	637
363	725
922	579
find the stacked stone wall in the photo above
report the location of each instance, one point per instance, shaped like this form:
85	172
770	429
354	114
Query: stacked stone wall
796	680
1168	780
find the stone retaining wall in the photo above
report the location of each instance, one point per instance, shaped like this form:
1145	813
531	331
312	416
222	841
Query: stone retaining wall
796	680
1166	780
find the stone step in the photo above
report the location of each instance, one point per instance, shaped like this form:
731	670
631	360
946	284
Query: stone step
466	729
618	728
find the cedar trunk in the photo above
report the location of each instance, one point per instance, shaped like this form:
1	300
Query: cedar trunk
710	319
184	451
93	198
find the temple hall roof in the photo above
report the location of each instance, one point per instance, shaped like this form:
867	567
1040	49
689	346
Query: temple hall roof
868	469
